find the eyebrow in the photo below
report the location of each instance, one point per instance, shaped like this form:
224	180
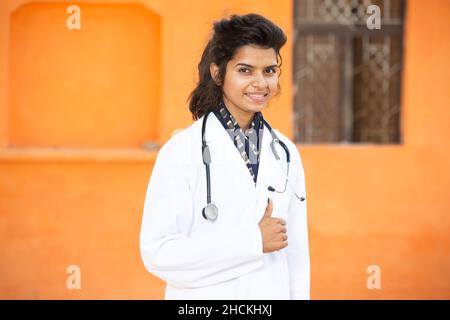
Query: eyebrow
250	66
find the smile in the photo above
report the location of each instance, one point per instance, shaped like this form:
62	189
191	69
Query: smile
257	97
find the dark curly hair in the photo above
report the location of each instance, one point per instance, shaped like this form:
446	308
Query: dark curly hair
228	36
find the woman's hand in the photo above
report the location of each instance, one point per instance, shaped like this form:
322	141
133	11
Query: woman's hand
273	231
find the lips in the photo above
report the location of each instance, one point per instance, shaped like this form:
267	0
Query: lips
257	97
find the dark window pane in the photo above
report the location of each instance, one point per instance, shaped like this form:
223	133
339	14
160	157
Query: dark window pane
347	77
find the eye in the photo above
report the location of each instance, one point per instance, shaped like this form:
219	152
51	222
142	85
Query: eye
271	70
244	70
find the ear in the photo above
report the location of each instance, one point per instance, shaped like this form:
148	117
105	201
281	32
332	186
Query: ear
214	70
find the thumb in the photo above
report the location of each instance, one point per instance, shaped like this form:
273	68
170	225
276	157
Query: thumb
269	208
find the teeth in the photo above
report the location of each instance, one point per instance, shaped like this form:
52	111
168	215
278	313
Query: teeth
256	95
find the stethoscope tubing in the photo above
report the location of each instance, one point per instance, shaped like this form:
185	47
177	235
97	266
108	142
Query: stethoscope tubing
210	211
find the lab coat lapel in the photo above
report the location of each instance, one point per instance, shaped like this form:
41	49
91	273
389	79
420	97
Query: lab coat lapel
223	150
265	172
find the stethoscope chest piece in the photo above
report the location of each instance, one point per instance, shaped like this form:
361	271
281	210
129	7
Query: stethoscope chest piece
210	212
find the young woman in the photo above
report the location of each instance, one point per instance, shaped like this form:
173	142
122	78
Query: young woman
226	192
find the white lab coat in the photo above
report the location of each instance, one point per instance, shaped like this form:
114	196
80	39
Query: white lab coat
223	260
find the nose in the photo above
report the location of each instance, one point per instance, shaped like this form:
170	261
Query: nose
259	80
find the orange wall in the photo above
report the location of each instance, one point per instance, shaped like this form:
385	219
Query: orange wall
81	203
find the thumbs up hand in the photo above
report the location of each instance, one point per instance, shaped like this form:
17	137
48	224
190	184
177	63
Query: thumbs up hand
273	230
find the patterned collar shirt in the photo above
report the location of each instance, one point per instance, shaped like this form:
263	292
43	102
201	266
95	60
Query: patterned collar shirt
247	142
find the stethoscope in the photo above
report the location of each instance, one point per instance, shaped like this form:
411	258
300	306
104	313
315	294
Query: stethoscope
210	212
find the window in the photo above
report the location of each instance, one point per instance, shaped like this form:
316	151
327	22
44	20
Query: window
347	76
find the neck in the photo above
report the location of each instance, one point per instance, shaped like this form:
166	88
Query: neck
243	118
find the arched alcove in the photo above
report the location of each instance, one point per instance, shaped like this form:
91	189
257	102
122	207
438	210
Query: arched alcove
98	86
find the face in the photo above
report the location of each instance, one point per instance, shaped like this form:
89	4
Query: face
251	79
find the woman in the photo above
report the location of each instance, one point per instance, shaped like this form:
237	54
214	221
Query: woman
224	195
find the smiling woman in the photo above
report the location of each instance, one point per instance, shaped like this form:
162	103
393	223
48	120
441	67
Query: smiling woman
241	253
